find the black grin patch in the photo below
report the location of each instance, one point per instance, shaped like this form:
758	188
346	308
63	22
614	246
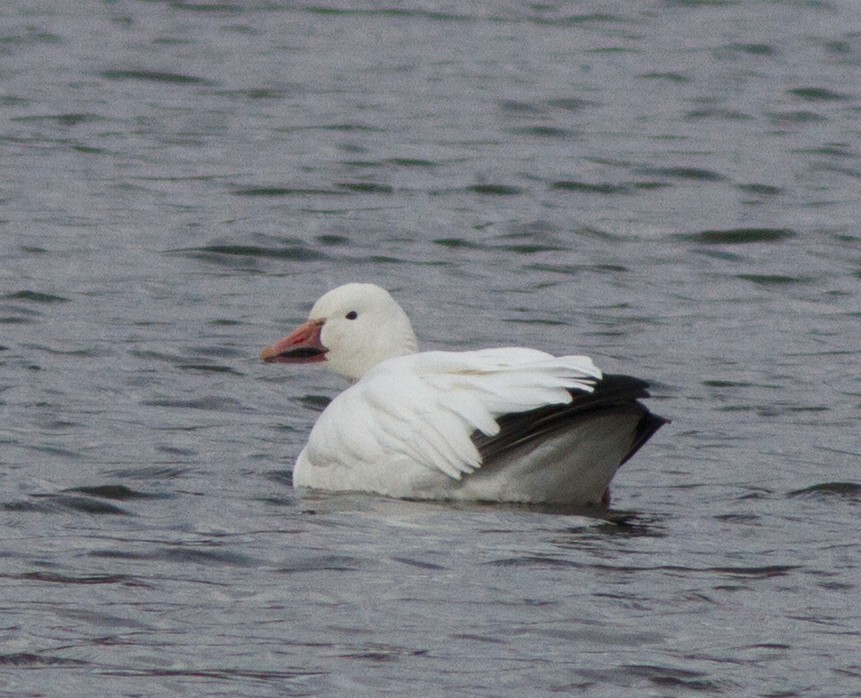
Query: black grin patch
302	353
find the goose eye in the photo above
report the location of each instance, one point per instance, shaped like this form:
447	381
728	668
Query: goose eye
352	315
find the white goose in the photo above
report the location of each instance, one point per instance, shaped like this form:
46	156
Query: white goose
504	425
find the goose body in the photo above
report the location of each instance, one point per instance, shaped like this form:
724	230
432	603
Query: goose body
506	424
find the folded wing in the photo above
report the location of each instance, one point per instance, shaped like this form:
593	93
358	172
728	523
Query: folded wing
448	411
613	394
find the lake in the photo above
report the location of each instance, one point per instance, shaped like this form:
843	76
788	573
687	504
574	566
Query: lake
671	187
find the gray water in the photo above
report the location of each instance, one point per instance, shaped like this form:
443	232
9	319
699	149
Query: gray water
671	187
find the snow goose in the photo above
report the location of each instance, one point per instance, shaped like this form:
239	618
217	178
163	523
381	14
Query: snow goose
505	425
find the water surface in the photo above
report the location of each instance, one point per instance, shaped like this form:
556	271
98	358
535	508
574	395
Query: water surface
670	187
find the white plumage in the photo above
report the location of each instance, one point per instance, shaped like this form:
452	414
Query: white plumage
506	424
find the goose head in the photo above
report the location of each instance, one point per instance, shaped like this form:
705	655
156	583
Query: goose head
350	329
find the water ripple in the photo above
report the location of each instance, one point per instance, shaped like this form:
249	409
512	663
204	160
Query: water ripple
850	491
209	253
155	76
58	503
32	660
739	236
36	297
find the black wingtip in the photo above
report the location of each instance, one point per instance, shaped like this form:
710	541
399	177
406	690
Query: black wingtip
649	424
620	389
614	393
